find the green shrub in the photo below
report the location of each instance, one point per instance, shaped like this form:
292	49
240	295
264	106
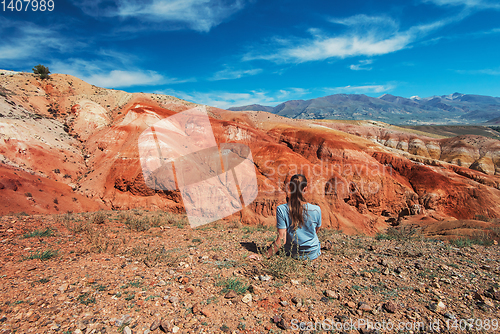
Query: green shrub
138	224
39	233
234	284
42	71
99	217
482	218
45	255
85	299
483	239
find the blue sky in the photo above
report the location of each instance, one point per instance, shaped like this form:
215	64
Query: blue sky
235	52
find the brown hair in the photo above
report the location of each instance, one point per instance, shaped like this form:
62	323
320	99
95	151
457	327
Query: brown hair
296	200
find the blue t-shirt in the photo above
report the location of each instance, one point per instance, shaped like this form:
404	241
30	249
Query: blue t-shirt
305	237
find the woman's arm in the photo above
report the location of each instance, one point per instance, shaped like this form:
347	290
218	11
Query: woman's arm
280	240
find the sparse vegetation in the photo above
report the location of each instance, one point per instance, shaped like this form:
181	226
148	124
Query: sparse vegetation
48	232
138	224
402	233
482	218
45	255
483	239
235	284
42	71
165	262
86	299
283	265
99	217
151	256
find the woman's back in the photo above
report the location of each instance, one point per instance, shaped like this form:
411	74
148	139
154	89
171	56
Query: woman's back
302	241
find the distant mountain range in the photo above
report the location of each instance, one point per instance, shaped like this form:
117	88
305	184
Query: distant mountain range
447	109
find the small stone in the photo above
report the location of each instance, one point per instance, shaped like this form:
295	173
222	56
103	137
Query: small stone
190	290
154	326
478	295
436	307
247	298
206	312
489	303
445	280
496	295
184	280
63	287
386	271
81	325
294	282
284	303
175	329
331	294
165	325
367	274
231	294
255	289
364	307
183	265
265	278
435	285
283	324
295	300
127	330
351	304
173	299
77	331
390	307
449	315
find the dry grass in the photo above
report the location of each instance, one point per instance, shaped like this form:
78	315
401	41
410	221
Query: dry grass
151	256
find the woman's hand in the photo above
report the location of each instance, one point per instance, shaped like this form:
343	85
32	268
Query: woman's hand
280	240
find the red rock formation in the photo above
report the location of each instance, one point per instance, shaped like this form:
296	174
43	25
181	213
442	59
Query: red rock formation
356	172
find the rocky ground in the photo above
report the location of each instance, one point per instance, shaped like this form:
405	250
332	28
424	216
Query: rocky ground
143	272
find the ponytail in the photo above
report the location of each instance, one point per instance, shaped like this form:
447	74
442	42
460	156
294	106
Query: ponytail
296	200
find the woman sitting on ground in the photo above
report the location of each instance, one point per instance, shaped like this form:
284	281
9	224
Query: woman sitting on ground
298	223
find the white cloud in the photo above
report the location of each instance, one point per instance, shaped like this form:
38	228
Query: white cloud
365	36
117	78
200	15
226	100
359	66
26	40
360	89
467	3
229	74
487	71
104	73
